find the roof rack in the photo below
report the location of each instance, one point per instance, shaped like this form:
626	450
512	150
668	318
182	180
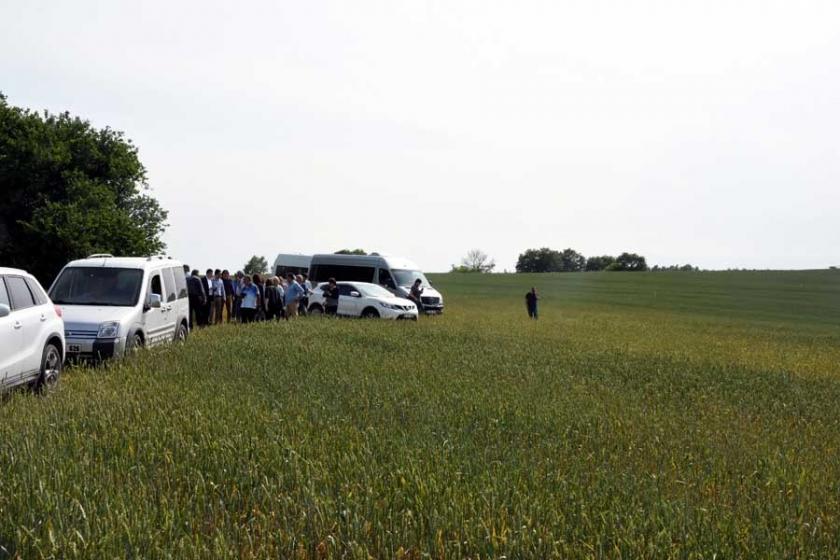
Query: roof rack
101	256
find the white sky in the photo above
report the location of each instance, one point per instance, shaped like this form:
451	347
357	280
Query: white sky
702	132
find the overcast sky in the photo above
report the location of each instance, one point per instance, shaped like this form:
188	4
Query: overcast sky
702	132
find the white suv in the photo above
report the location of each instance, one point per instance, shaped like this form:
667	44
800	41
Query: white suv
362	299
31	332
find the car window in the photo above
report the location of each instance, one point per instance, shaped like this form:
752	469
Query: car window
19	293
4	295
345	289
87	285
385	278
37	292
155	286
180	282
169	282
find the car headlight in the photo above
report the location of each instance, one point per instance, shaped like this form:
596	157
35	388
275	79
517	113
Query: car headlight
111	329
389	305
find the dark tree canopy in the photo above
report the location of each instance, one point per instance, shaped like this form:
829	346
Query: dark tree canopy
603	262
539	260
255	265
351	252
629	262
70	190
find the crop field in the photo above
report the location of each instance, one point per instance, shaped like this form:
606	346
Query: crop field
644	415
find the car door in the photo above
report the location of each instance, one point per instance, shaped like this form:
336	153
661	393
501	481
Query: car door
347	304
155	320
170	300
11	341
26	314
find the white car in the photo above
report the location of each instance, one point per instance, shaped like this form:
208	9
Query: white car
31	333
362	299
115	305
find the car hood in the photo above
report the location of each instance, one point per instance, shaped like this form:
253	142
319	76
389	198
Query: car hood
89	317
396	300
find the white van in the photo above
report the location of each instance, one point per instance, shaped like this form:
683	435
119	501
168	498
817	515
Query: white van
113	305
396	274
296	264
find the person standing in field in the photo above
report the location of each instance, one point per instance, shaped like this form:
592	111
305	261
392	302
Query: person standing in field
331	298
531	299
218	297
250	300
237	294
273	299
196	295
228	283
207	281
416	295
257	281
294	292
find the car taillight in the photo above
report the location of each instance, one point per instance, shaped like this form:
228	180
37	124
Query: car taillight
57	310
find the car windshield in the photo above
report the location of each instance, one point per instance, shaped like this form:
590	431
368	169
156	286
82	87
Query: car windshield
372	290
407	277
98	286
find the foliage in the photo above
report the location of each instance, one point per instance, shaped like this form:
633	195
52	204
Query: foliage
675	267
643	416
475	261
539	260
255	265
594	264
351	252
629	262
70	190
549	260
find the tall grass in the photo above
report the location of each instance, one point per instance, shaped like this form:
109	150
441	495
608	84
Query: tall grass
623	423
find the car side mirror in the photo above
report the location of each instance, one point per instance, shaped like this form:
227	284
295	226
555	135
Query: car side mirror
5	310
153	302
354	293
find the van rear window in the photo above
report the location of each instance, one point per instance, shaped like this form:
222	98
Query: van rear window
323	272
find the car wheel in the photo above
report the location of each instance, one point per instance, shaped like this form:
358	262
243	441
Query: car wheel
181	333
51	364
370	313
315	310
134	343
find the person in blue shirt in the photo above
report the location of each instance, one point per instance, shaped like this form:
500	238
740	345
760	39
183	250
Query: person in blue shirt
250	300
294	293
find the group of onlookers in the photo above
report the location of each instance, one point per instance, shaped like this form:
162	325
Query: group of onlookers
217	297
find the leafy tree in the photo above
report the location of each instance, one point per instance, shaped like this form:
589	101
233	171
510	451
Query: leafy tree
629	262
572	261
70	190
539	260
255	265
599	263
475	261
351	252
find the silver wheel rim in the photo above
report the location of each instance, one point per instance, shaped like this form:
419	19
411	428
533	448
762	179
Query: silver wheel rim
52	367
182	333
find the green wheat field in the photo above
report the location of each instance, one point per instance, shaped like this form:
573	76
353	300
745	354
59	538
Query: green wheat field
645	415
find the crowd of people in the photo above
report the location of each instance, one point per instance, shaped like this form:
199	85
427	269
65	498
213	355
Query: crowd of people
219	297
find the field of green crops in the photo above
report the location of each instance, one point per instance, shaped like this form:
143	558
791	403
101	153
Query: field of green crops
645	415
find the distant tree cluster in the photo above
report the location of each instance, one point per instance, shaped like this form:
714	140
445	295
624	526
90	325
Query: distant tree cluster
569	260
351	252
475	261
255	265
680	267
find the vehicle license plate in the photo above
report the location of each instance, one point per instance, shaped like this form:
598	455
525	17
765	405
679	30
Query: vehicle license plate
73	348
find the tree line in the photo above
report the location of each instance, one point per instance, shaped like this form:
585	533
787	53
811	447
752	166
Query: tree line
569	260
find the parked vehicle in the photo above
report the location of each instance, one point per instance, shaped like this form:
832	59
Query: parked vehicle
362	299
31	333
395	274
296	264
114	305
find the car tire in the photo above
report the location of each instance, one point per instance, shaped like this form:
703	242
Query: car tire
370	313
51	365
181	333
134	343
315	310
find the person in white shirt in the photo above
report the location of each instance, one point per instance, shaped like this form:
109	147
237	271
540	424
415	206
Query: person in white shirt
218	297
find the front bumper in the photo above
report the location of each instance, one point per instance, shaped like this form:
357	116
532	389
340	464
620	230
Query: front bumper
94	349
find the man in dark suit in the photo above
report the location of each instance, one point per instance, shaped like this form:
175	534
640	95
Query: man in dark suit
197	296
